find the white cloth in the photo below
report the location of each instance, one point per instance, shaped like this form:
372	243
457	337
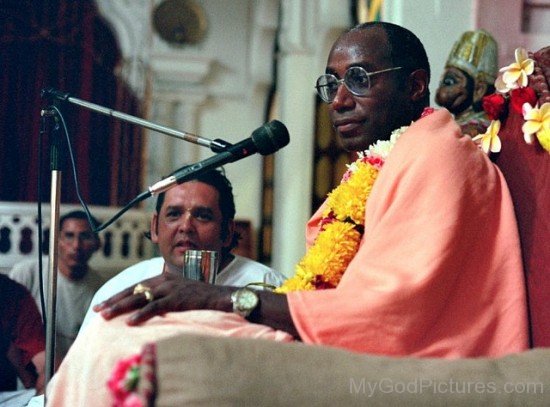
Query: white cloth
239	272
17	398
72	300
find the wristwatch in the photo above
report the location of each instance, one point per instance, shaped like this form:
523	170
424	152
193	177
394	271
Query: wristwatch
244	301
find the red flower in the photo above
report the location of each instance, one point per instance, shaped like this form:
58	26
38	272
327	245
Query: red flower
520	96
376	162
427	111
320	284
494	105
327	220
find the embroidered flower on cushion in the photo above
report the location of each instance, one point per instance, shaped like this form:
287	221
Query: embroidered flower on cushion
123	382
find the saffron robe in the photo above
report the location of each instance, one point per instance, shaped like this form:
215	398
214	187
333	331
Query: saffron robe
438	271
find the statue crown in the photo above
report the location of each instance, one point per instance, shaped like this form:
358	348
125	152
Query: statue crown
476	53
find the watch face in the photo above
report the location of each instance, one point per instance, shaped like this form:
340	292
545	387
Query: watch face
247	299
244	301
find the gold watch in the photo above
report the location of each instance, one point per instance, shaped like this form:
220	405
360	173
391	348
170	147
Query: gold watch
244	301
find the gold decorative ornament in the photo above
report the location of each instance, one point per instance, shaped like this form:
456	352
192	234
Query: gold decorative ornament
180	22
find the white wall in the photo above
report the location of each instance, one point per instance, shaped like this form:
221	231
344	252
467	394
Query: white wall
438	24
214	89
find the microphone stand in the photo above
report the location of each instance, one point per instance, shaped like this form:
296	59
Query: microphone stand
56	162
48	114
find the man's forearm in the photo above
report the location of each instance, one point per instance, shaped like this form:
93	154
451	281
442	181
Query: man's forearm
272	310
171	293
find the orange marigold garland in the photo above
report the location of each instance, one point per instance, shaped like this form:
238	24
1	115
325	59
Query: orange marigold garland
342	223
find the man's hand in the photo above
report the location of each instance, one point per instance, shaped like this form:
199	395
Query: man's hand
171	293
168	292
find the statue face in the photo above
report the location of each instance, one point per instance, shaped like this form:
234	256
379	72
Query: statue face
455	91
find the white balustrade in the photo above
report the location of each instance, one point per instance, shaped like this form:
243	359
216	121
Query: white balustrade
122	244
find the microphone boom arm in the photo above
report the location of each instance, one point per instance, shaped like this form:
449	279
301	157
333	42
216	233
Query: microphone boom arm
215	145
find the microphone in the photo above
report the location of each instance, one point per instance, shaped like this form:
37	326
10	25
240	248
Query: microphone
265	140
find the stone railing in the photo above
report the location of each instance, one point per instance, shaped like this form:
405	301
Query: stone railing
122	244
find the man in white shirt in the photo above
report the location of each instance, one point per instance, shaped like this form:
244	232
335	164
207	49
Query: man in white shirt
197	214
77	282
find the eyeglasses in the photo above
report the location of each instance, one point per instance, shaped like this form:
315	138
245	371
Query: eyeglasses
356	79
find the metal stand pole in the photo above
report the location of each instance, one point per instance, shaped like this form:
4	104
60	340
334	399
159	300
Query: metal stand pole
52	128
52	276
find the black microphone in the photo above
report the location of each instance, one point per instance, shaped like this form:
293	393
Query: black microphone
265	140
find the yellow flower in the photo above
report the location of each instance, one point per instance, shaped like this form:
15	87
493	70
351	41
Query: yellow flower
490	140
347	201
536	121
515	75
544	139
337	243
325	262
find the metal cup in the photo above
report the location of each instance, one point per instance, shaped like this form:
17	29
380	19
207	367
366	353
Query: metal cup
201	265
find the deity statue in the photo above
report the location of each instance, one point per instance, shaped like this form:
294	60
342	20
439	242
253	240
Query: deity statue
470	73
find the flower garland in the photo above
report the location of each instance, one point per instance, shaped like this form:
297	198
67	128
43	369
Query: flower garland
512	89
342	223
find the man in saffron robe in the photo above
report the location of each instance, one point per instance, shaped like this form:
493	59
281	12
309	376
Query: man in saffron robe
438	269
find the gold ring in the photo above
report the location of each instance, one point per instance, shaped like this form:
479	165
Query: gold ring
143	289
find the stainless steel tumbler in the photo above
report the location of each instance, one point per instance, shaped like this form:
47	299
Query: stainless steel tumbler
201	265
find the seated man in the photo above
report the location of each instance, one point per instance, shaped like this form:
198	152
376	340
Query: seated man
22	340
416	253
197	214
77	282
306	373
469	75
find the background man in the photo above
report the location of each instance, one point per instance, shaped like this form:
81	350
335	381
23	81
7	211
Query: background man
197	214
470	72
76	282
